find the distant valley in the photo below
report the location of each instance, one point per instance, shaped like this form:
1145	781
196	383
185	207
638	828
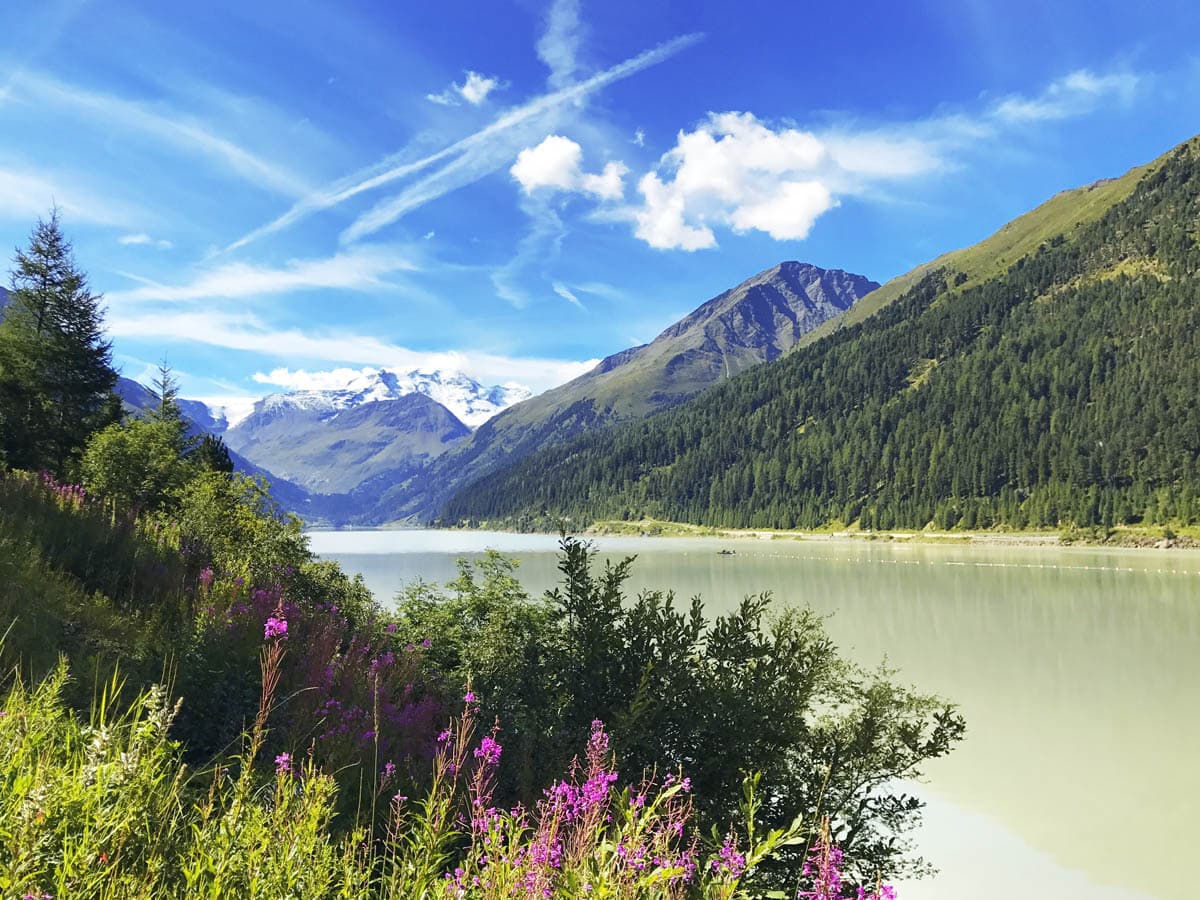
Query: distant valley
386	447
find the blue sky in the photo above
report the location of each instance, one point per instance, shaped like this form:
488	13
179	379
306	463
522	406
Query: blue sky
266	192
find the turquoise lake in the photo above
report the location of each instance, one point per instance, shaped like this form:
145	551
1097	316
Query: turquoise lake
1077	669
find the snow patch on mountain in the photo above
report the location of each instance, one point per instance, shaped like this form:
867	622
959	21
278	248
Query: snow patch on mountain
471	402
228	410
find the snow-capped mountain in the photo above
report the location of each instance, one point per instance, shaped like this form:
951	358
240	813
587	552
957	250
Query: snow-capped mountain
471	402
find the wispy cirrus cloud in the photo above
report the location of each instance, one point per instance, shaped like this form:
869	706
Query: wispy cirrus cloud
559	45
542	242
1077	93
490	149
360	269
247	332
161	123
462	162
141	239
567	294
26	195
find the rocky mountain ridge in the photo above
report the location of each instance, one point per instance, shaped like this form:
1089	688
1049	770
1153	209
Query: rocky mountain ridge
756	321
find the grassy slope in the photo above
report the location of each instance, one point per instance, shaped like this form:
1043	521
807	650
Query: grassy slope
1062	214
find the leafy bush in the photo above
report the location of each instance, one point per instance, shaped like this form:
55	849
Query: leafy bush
743	692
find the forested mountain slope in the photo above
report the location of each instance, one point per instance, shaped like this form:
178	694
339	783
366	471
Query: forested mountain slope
756	321
1062	389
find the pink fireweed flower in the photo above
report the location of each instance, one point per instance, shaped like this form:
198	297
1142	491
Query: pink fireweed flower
283	764
206	578
729	862
275	628
489	751
823	870
469	697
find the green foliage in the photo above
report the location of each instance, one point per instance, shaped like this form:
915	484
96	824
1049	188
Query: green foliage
212	454
56	374
76	580
714	698
1058	392
108	811
145	463
233	524
487	632
136	464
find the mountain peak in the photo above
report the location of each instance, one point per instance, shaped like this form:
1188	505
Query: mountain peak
801	293
471	402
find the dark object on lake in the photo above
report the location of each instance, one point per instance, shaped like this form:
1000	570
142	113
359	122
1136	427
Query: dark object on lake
725	552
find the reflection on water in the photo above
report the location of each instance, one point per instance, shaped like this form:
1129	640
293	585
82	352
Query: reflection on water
1077	669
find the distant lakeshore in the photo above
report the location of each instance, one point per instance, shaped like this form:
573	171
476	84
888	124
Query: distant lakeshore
1179	537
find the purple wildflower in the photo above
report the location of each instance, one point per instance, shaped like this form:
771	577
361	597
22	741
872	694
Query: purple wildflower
283	764
729	862
489	751
275	628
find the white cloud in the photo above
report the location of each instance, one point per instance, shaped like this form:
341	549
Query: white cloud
1077	93
789	214
164	124
556	163
474	89
639	138
303	380
565	292
553	163
141	239
609	184
26	195
464	162
361	269
734	171
245	332
559	44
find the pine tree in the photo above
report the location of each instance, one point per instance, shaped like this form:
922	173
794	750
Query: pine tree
168	412
56	374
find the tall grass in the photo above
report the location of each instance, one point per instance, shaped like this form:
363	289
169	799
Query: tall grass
106	809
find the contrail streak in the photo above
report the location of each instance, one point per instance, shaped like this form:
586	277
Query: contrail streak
387	170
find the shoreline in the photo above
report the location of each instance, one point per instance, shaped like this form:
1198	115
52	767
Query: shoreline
1125	538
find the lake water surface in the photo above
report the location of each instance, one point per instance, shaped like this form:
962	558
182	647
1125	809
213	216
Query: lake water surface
1078	671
